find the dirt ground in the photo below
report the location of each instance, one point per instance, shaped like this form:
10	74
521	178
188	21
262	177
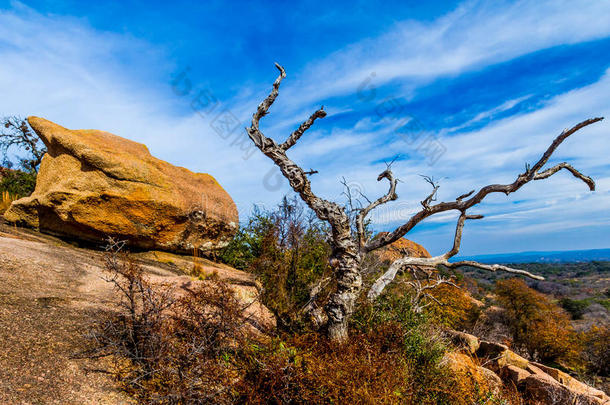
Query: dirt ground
48	291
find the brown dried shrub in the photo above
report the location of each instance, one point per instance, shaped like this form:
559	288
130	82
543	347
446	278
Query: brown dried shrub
539	327
167	347
193	348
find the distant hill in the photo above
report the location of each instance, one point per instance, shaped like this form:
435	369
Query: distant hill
543	257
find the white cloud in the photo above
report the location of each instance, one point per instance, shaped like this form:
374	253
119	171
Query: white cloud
475	35
484	115
64	70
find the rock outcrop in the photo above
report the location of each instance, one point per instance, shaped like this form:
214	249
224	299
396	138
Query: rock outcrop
93	184
537	382
401	248
467	368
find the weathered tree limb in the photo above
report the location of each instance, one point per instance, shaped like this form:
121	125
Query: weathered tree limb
345	258
311	308
557	141
422	288
492	268
443	260
398	265
432	196
294	137
389	196
549	172
468	194
463	204
325	210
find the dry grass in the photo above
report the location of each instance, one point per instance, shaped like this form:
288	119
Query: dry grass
6	200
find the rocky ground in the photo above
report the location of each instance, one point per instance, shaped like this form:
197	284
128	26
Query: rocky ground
49	292
537	383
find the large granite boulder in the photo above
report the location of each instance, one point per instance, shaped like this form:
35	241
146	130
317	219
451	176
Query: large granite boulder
93	184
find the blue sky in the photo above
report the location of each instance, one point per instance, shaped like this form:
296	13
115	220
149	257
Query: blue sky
466	92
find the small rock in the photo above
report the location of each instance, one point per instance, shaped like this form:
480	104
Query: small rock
535	370
547	390
500	355
514	374
465	340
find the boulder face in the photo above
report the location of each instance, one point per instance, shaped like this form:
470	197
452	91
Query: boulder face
400	248
538	383
93	184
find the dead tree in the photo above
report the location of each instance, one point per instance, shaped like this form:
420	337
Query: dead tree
349	248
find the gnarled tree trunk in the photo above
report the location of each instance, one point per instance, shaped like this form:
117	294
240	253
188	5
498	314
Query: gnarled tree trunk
342	301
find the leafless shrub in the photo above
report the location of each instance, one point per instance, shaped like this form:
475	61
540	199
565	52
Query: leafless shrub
167	345
16	133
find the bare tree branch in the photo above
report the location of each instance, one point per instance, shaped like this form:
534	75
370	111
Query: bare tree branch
263	108
325	210
389	196
382	282
462	205
345	255
549	172
294	137
311	308
468	194
421	288
557	141
443	260
432	196
492	268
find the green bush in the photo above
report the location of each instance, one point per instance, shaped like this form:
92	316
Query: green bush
576	308
422	347
287	250
17	182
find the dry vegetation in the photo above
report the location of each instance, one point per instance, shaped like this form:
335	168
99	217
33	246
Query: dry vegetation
194	349
193	346
6	199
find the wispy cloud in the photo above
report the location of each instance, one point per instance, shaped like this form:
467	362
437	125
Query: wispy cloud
70	72
476	34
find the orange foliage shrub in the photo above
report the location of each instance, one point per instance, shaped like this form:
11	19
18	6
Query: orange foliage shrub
456	308
385	365
539	327
596	350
